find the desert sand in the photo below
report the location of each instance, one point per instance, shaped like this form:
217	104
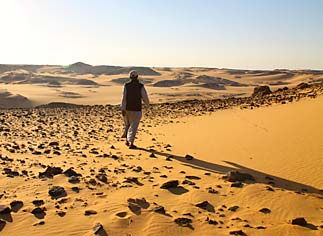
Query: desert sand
84	84
232	166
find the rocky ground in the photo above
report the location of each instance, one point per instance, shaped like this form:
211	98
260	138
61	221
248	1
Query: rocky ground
67	162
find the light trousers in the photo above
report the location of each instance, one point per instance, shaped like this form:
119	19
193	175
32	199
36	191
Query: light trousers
131	123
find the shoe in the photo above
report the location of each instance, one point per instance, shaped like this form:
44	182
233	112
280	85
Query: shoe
127	143
132	146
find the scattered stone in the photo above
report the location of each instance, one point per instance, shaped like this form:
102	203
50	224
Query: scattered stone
70	172
299	221
4	209
205	205
39	223
188	182
102	177
38	202
73	179
302	86
57	192
53	144
50	172
160	210
121	214
16	205
189	157
192	177
212	190
260	91
39	212
141	202
184	222
137	169
237	232
211	222
237	185
134	208
90	212
265	210
170	184
233	176
97	228
2	224
233	208
260	227
76	189
61	213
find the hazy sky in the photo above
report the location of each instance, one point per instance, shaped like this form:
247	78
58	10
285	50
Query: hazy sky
214	33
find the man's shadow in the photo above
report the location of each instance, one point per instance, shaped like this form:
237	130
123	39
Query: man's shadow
260	177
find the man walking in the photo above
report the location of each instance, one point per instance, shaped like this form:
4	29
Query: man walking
133	94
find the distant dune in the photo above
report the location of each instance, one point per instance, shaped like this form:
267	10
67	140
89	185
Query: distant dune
86	84
82	68
9	100
30	78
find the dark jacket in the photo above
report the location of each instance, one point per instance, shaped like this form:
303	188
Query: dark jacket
133	95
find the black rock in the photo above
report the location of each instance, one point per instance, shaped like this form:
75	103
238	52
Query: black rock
38	210
152	155
16	205
50	172
189	157
299	221
76	189
188	182
97	228
90	212
205	205
192	177
237	185
233	208
73	179
233	176
302	86
38	202
4	209
102	177
160	210
61	213
2	224
260	91
57	192
134	208
184	222
212	222
170	184
237	232
54	143
265	210
70	172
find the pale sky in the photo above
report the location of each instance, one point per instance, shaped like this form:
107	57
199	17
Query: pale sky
250	34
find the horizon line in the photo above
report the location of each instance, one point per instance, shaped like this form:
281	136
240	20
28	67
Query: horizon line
146	66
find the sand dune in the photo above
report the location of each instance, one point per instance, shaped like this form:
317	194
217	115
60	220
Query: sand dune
9	100
101	84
